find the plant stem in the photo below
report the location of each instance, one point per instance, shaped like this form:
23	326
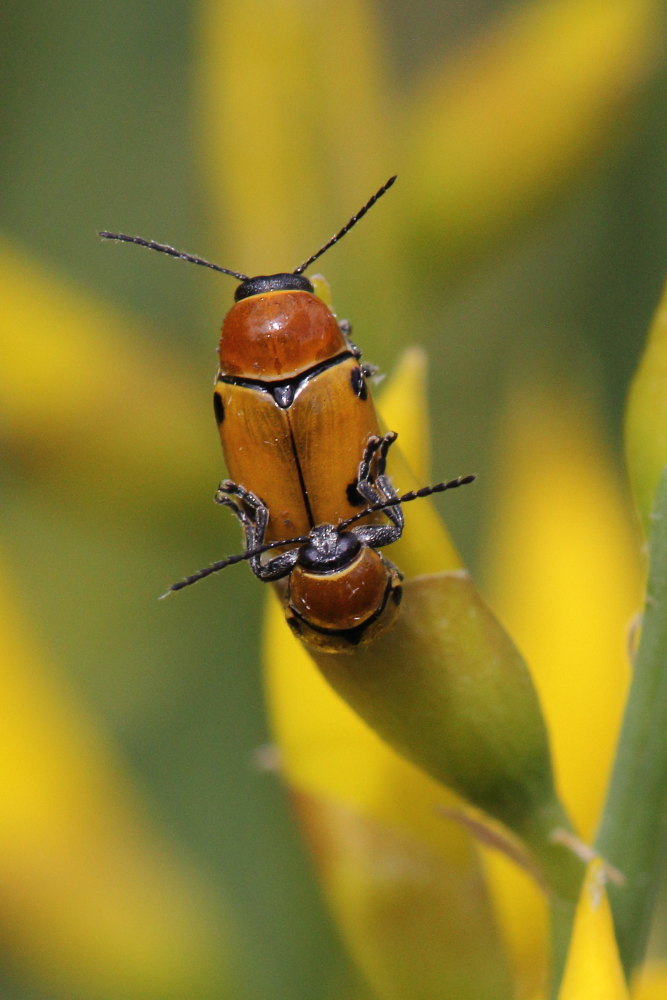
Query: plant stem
632	832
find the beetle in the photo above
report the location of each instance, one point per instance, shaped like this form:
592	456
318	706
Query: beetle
338	590
303	448
291	396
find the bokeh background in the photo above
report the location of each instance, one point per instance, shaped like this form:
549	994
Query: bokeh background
145	851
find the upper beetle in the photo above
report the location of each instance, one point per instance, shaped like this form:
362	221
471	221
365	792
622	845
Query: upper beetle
291	397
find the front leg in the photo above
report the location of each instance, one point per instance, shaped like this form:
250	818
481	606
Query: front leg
248	508
345	328
254	517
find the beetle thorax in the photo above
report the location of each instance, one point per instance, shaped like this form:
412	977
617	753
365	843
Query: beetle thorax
277	335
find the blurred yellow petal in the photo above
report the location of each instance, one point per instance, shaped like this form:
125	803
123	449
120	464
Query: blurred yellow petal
563	574
403	402
95	904
646	418
593	969
83	399
651	982
289	162
499	125
521	907
425	546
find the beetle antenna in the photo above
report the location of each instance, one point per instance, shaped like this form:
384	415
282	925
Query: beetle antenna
164	248
231	561
425	491
346	228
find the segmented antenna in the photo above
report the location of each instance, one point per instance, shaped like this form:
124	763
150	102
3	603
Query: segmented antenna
425	491
173	252
231	560
164	248
346	228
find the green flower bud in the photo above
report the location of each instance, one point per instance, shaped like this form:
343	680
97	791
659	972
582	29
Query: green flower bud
449	691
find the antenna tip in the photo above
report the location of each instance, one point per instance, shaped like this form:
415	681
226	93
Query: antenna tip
166	594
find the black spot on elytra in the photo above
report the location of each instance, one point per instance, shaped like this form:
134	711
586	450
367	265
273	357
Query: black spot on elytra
358	383
354	497
219	408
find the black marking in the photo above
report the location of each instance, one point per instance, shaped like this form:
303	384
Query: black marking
263	283
354	497
358	383
284	395
294	384
219	408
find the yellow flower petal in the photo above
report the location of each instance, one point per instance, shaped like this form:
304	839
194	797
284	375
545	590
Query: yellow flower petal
425	546
403	402
81	395
521	907
516	113
594	970
280	180
95	903
651	982
564	577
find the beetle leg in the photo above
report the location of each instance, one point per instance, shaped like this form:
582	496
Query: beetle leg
377	535
370	451
345	328
254	516
248	508
276	568
374	485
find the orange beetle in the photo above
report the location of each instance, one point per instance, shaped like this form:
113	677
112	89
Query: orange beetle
302	445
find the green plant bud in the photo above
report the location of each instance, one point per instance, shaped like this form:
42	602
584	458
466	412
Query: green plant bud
449	691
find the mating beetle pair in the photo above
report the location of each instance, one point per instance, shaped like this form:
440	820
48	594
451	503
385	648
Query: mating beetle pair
305	455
